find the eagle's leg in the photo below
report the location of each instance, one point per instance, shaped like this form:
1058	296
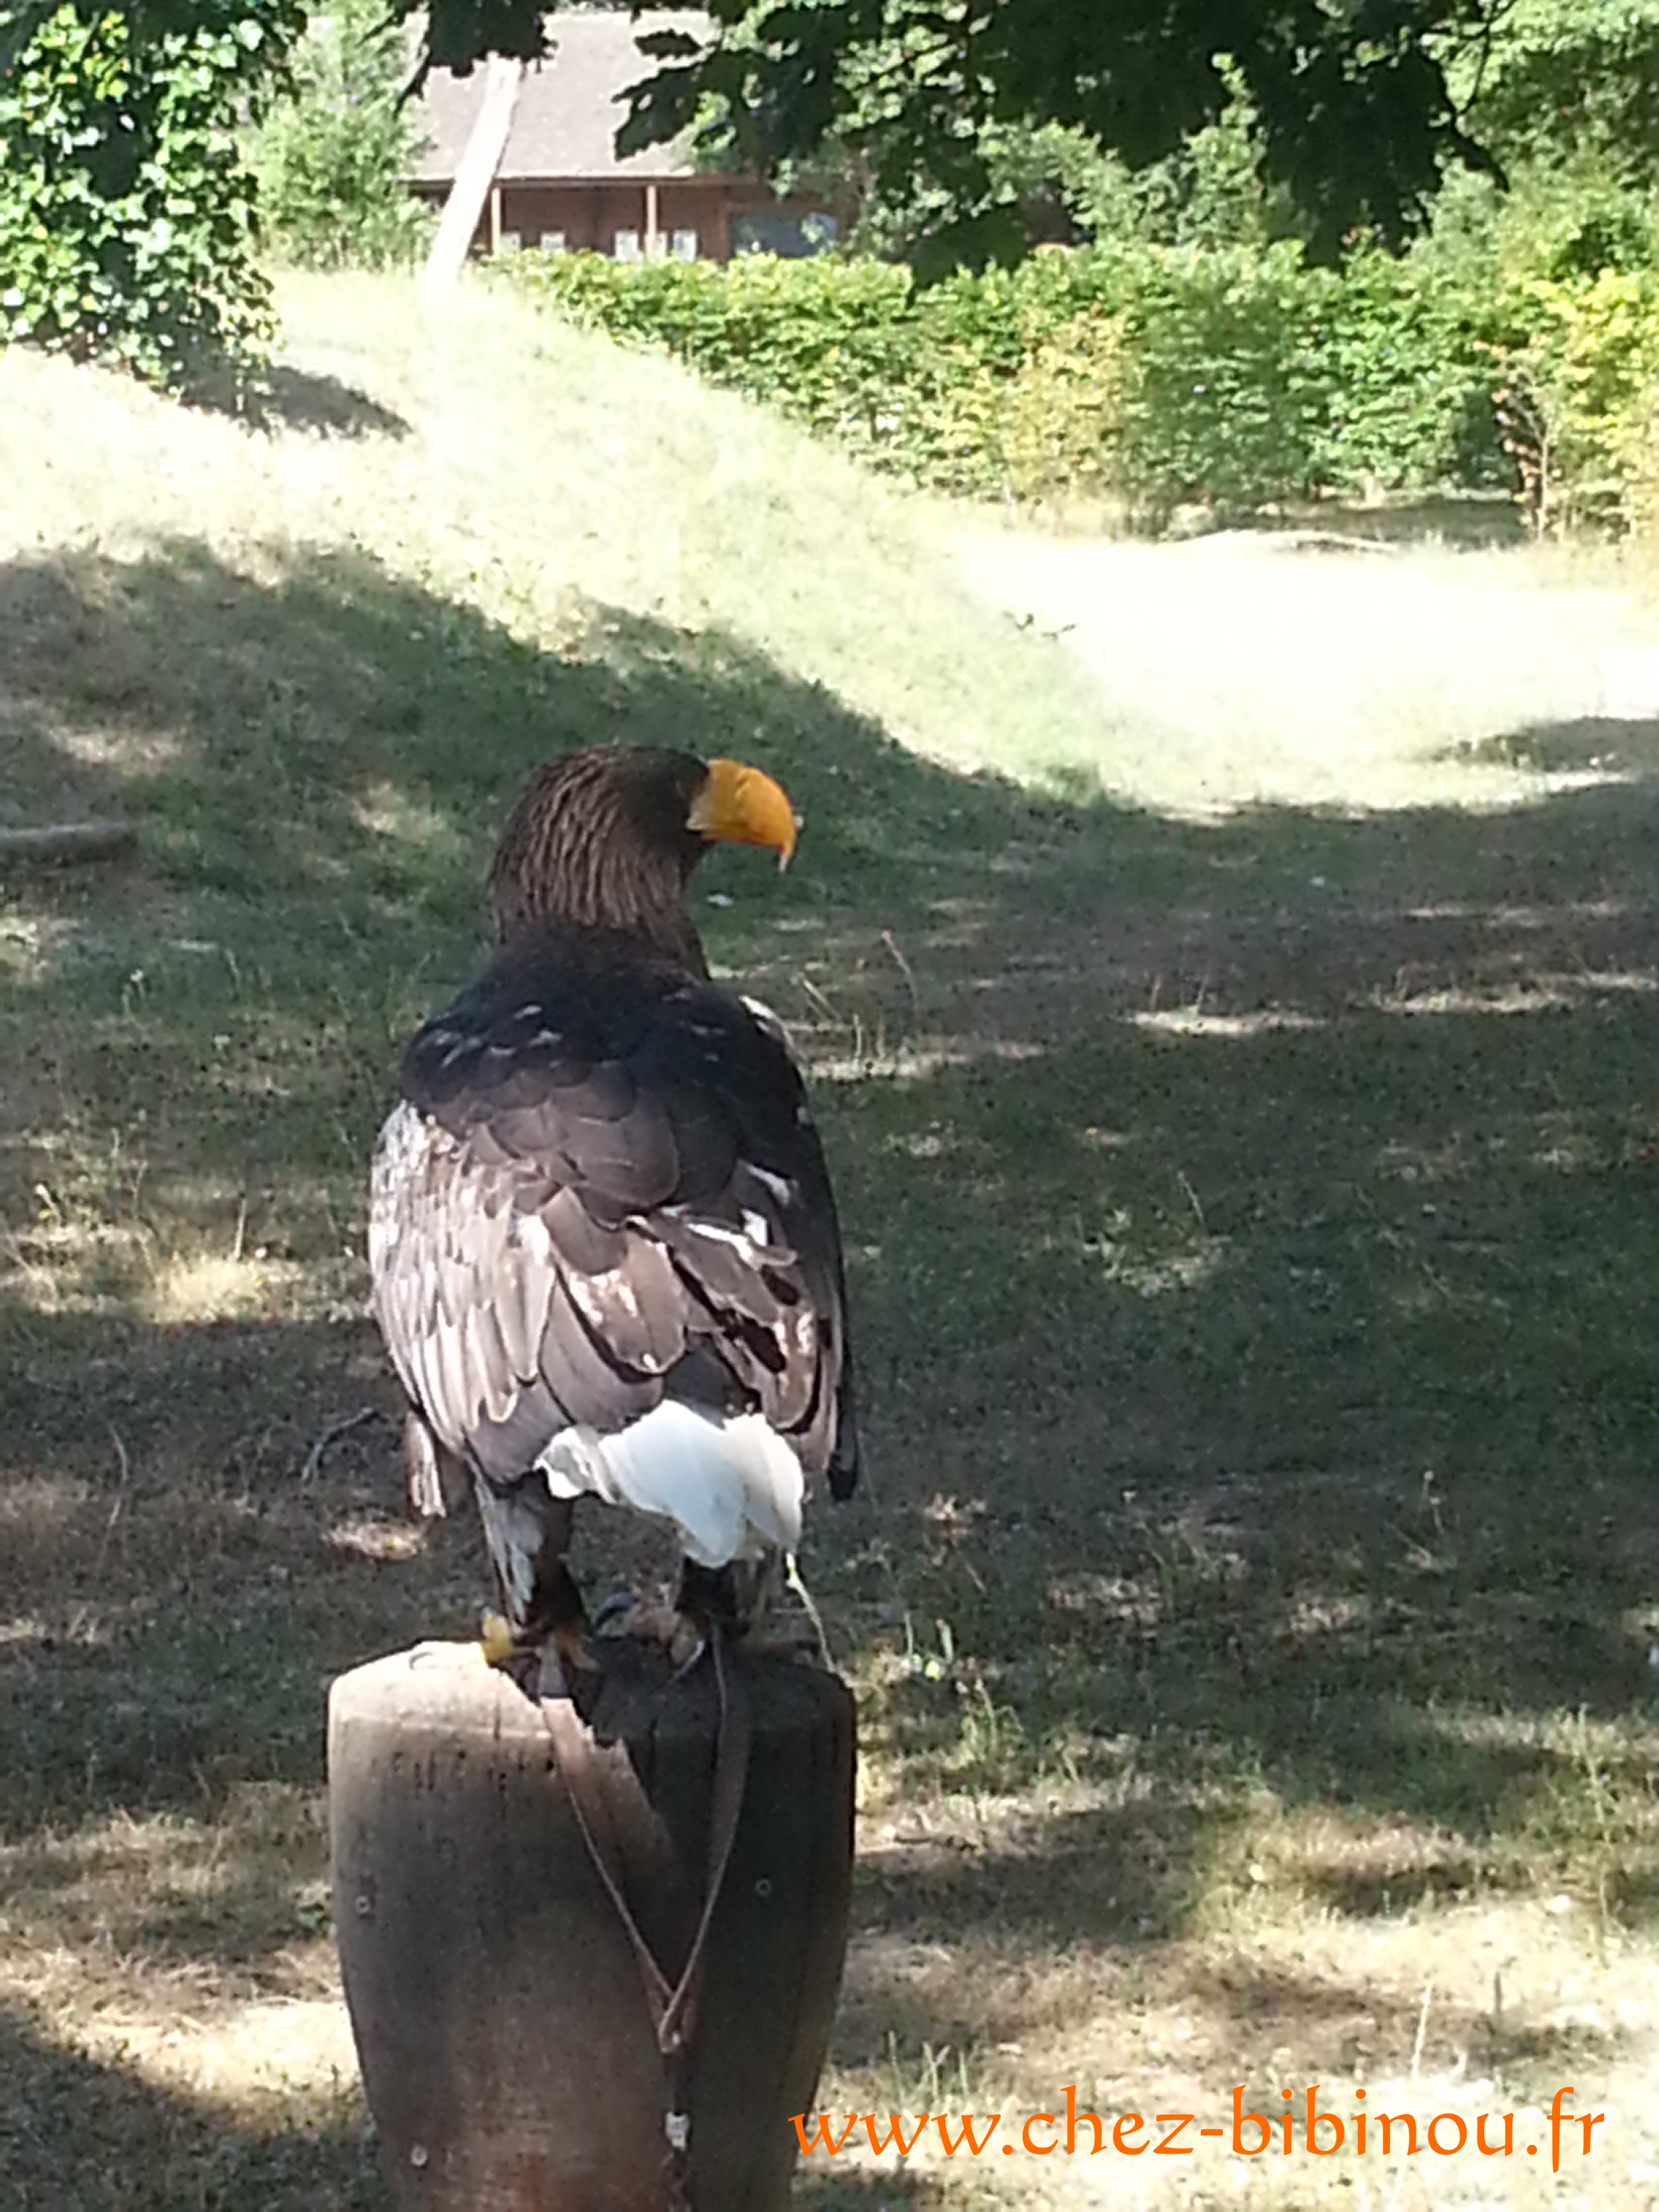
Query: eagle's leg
707	1603
756	1611
528	1533
737	1601
733	1602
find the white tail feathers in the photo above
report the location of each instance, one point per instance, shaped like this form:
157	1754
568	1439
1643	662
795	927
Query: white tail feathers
730	1485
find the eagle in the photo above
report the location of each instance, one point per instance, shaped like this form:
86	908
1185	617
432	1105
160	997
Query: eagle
603	1241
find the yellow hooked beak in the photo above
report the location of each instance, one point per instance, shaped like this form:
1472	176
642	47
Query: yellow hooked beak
742	806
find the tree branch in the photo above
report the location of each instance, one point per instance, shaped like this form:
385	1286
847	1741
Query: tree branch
69	841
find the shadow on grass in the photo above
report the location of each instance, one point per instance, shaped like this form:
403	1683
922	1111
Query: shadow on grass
1367	2029
76	2136
284	399
179	1595
873	2192
1618	749
1473	521
1250	1227
1363	2030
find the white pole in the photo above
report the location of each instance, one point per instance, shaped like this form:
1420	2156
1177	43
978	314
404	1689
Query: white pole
475	173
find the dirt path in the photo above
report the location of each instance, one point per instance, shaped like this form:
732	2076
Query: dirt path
1306	669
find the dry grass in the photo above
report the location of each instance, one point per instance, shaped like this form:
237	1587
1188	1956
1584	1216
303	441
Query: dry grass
1251	1204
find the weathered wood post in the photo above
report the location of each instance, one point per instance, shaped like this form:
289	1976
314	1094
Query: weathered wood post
502	1998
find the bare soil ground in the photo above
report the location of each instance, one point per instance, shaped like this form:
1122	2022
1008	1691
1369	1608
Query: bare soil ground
1323	666
1233	1022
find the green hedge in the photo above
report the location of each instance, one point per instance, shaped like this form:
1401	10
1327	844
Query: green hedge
1579	398
850	349
1236	377
1406	377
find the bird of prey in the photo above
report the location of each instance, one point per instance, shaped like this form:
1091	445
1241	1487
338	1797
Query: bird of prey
602	1235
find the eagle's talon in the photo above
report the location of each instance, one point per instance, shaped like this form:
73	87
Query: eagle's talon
680	1637
571	1644
539	1659
496	1641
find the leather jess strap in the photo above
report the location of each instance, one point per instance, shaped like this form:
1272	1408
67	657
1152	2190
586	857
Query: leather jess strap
672	2006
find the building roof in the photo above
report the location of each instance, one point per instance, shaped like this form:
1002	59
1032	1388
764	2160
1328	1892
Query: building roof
570	109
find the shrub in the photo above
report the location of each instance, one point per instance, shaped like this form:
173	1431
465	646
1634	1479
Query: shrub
840	346
1642	479
1408	369
1579	395
1222	395
1059	427
126	214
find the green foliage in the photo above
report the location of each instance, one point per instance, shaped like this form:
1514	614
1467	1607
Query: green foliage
460	31
1556	219
126	215
1352	107
1059	424
332	155
1209	191
1044	172
1162	376
1230	377
1066	191
849	349
1226	398
1405	365
1579	395
1559	78
1558	278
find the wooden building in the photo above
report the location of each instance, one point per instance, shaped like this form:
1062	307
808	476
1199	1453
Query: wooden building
560	183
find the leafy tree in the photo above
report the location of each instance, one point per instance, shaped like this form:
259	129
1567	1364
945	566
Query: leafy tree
331	157
1561	79
1352	107
1066	191
127	219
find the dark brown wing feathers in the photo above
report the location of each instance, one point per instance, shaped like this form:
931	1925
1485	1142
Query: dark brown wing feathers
610	1188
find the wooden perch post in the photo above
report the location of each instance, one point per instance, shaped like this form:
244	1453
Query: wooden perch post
500	1998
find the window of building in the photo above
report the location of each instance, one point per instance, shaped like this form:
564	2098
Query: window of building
511	241
551	241
627	246
764	230
685	246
